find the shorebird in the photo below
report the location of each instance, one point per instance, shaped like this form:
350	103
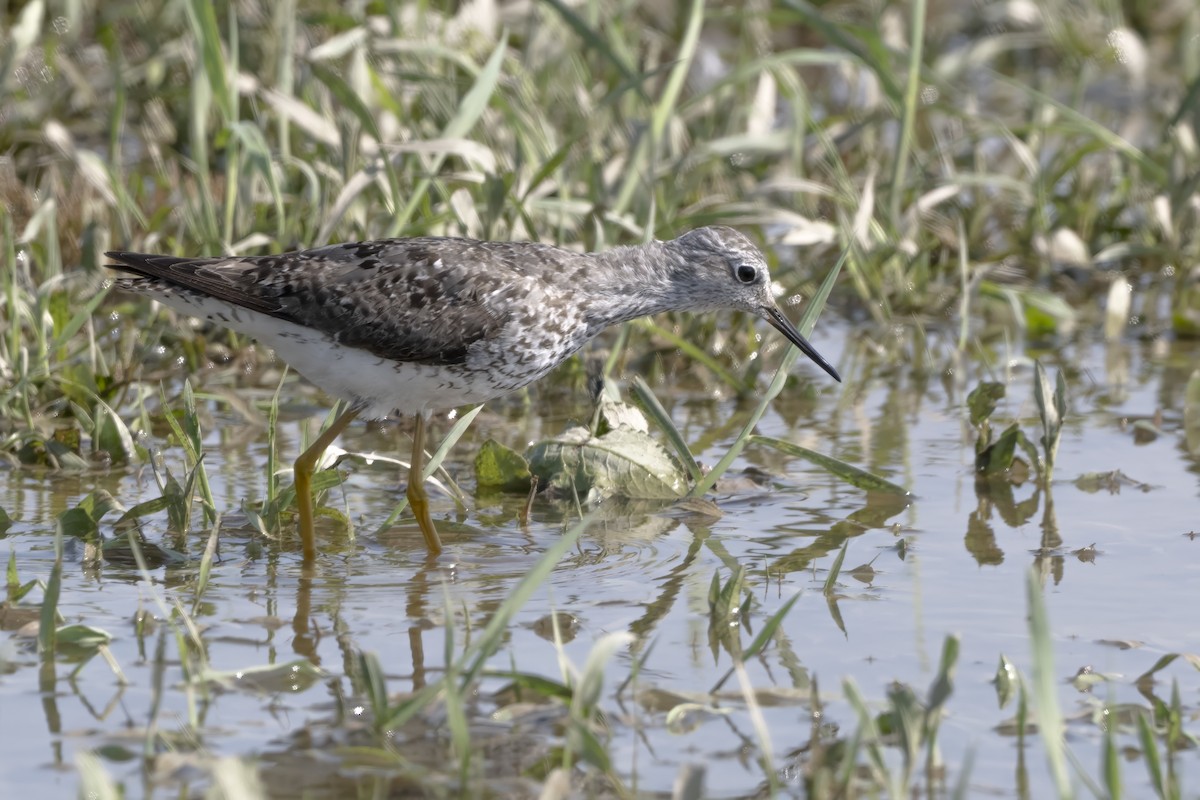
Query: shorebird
410	326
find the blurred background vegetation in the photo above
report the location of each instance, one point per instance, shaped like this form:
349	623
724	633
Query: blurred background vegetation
993	169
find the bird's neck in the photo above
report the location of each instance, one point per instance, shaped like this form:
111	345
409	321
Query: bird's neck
625	283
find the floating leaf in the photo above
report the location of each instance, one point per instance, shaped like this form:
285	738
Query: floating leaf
615	414
621	462
294	676
120	550
864	573
1112	482
1121	644
698	510
60	450
522	682
13	618
687	717
567	626
501	467
1145	431
80	642
1085	679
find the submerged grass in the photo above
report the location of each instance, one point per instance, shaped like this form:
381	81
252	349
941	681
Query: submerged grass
976	168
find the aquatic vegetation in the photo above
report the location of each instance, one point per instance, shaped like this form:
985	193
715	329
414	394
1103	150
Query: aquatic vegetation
991	196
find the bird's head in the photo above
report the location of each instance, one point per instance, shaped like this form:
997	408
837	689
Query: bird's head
728	271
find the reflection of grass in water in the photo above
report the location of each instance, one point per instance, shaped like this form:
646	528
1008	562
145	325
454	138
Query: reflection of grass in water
404	734
986	181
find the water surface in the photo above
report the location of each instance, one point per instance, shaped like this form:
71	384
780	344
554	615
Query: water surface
1117	566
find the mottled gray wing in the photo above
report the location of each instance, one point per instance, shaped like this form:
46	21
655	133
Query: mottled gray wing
423	300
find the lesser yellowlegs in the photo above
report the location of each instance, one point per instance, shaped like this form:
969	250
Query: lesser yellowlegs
409	326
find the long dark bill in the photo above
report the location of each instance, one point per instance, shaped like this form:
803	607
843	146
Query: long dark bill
785	326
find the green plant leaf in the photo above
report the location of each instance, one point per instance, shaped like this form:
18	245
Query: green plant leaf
500	467
982	401
622	462
288	678
83	520
84	637
849	473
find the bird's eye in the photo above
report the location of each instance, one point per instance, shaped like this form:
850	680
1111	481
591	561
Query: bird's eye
747	273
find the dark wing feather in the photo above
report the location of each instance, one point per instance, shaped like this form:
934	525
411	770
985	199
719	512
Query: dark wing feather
195	274
424	301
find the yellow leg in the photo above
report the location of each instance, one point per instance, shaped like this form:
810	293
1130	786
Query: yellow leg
305	466
416	490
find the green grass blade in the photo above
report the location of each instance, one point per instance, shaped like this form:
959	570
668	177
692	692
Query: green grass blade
683	63
469	111
497	627
1154	171
203	17
593	39
481	649
650	404
1045	689
646	151
831	579
1150	753
769	629
81	316
1110	759
849	473
206	562
48	620
258	154
839	36
909	109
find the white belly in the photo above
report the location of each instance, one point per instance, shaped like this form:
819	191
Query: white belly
377	386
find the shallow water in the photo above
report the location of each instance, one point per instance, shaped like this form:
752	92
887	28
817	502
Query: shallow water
1116	567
